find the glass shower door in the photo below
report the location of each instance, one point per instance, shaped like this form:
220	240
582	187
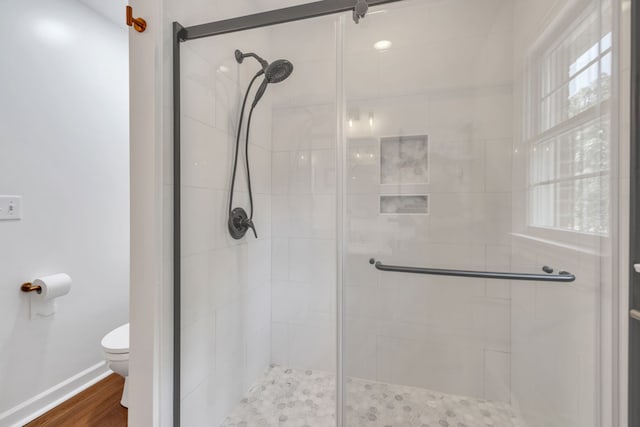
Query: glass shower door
258	313
477	139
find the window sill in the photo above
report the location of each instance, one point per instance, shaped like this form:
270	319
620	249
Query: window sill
586	248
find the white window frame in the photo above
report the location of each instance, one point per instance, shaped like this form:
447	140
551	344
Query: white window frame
533	136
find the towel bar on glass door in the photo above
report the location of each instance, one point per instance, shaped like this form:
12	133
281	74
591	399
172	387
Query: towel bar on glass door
562	276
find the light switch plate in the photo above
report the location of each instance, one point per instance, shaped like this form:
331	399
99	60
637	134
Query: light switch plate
10	208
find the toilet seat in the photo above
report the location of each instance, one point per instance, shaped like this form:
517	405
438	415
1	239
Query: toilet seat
117	341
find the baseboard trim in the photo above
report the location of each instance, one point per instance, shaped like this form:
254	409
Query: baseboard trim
31	409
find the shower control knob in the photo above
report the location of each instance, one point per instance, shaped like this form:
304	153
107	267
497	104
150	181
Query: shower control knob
248	223
239	223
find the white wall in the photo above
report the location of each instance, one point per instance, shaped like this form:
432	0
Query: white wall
64	149
150	332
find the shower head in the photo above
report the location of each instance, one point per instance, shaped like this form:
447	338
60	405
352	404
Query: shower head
278	71
275	72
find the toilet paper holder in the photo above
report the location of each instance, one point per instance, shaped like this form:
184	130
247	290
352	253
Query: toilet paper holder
44	291
30	287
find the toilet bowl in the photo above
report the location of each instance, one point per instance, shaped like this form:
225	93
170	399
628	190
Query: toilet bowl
116	352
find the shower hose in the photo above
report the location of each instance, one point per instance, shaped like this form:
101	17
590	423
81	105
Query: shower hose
246	152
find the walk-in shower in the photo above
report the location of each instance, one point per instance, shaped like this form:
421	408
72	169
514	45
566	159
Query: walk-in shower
436	232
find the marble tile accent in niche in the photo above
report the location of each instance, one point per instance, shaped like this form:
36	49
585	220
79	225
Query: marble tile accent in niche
404	160
401	204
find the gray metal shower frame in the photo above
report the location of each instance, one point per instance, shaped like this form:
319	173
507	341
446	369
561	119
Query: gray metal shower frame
633	389
183	34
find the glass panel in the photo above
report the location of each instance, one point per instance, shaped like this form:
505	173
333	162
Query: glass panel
258	315
438	172
571	158
572	77
468	77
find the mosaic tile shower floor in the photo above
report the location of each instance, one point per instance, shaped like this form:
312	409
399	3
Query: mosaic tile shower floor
291	397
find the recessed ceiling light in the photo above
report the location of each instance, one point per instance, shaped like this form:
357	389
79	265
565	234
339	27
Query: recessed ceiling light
382	45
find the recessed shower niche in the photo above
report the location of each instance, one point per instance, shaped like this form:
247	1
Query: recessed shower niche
404	204
404	160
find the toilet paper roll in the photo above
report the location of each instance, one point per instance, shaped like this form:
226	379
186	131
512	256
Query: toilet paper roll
53	286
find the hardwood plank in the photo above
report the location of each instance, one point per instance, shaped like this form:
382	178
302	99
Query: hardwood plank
98	405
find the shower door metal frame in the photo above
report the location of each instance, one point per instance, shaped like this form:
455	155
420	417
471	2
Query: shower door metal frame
183	34
634	224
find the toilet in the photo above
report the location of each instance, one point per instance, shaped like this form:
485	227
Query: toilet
116	352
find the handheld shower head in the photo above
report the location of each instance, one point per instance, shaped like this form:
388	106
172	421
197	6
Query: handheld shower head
275	72
278	71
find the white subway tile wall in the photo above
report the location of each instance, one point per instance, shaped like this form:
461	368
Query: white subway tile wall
440	333
303	178
226	284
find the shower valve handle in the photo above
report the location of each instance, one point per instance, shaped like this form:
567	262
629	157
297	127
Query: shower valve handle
239	223
248	223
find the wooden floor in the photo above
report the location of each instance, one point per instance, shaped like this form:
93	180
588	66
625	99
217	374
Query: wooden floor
97	406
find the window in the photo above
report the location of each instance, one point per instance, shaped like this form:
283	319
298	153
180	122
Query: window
568	178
